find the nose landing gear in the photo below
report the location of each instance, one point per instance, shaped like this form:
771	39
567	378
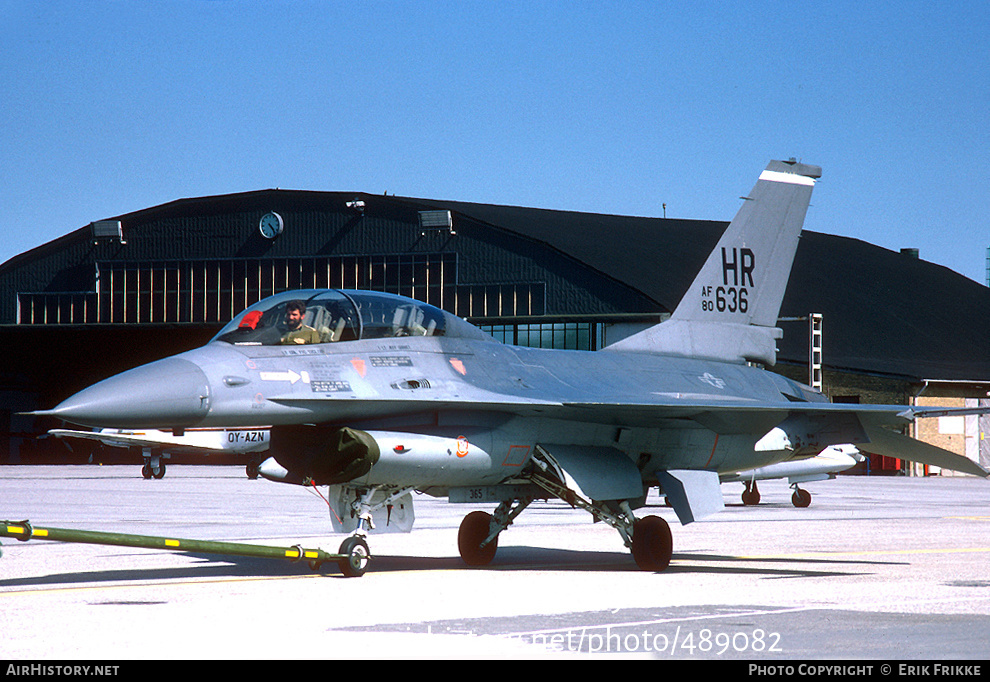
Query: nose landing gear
751	495
356	556
801	498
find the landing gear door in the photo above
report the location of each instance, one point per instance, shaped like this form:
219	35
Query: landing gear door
395	517
596	473
694	494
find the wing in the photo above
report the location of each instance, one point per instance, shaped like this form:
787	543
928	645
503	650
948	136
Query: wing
823	423
124	441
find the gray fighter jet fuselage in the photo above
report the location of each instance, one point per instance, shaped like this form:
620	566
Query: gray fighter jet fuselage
377	396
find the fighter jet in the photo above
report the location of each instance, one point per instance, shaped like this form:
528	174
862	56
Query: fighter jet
821	467
158	445
380	396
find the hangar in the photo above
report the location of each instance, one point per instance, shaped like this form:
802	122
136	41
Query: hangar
136	287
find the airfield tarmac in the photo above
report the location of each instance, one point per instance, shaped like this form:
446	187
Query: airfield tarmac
877	568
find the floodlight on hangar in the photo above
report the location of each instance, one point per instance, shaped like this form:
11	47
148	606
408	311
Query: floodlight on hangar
107	230
436	220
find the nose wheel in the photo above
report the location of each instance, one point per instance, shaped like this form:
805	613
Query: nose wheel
356	556
751	495
154	463
800	498
150	470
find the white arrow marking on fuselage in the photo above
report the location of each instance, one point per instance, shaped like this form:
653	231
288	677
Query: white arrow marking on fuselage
287	375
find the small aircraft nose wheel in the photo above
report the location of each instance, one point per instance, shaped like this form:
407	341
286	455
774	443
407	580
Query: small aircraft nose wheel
474	529
357	557
652	544
751	495
801	498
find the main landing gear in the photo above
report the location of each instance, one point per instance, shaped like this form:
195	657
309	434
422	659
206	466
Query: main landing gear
751	495
154	464
251	468
648	538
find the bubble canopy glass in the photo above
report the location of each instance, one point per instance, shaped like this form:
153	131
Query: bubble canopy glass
332	316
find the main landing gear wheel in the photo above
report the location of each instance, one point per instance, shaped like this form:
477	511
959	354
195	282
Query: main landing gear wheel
751	495
801	498
148	471
358	557
652	544
474	529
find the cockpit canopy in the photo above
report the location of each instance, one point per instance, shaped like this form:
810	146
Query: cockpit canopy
331	316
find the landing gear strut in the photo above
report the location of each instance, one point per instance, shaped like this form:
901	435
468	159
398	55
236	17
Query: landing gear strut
751	495
154	464
800	498
648	538
354	548
477	538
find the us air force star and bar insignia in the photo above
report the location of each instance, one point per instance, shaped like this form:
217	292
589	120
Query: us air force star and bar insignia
713	380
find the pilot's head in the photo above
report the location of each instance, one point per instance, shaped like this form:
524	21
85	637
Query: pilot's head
294	312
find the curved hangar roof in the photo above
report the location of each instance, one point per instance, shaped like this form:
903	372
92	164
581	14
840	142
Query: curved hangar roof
884	312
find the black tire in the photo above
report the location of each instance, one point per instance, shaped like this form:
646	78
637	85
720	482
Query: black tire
652	543
801	498
358	557
160	473
751	496
473	531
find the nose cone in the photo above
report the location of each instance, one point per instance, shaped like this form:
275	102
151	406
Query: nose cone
169	393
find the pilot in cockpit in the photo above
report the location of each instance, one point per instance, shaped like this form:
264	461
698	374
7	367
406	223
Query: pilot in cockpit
298	333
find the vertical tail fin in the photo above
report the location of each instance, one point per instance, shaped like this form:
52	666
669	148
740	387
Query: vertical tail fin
730	311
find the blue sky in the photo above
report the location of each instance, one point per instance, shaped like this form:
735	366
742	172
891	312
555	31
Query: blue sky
607	107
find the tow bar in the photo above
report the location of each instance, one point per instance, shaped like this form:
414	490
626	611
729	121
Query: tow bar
352	559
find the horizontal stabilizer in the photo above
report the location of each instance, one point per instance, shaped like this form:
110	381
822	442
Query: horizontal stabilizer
694	494
890	444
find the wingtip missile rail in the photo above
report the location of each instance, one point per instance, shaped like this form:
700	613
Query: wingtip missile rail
352	559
